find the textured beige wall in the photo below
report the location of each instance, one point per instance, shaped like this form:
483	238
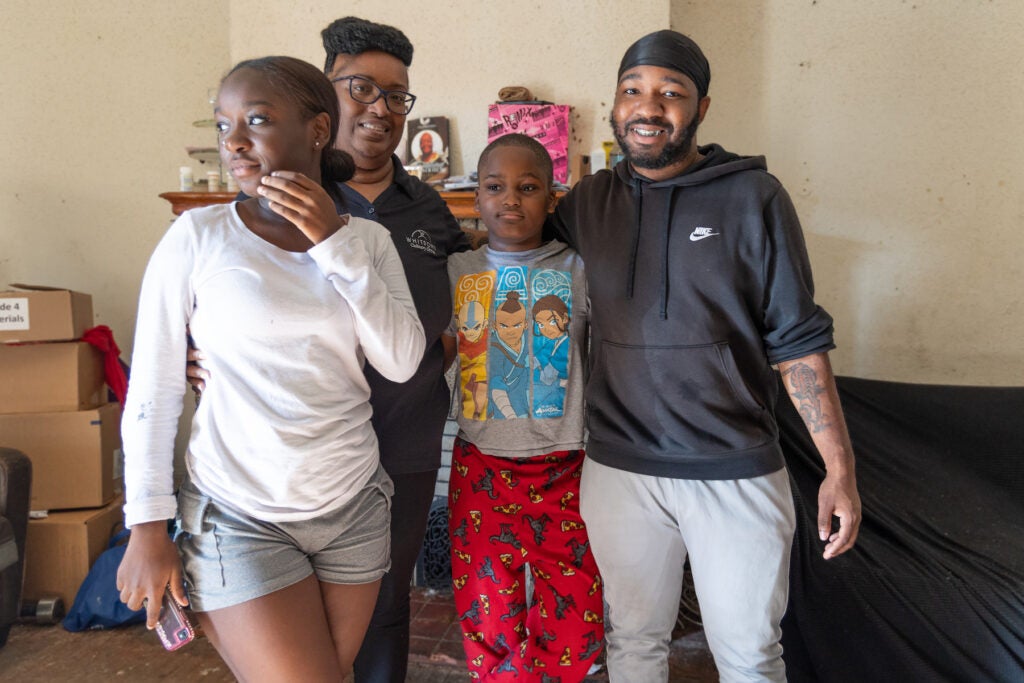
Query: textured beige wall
893	124
98	100
896	128
96	105
466	50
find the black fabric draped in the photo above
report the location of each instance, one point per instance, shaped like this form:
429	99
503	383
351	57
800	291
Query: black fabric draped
934	589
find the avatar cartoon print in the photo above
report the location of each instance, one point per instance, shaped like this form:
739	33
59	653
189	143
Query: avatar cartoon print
513	330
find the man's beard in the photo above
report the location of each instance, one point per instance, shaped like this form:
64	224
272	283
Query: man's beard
669	154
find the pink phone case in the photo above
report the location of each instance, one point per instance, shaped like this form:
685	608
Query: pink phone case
173	627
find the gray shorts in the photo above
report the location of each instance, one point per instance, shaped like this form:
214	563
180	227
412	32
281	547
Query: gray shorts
230	558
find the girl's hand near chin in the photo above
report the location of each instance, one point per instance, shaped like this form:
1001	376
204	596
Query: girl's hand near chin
302	202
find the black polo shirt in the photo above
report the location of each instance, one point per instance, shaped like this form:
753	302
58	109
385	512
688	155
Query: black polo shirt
409	417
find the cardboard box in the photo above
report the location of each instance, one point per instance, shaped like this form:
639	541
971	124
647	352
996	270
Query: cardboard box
33	313
60	549
546	123
72	454
50	377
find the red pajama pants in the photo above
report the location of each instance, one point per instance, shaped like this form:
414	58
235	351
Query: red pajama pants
505	513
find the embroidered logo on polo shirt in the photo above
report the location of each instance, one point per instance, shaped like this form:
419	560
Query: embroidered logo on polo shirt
420	239
701	233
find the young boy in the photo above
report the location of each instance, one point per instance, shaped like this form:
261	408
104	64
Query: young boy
520	304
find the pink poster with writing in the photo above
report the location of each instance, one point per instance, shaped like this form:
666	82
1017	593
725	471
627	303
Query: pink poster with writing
546	123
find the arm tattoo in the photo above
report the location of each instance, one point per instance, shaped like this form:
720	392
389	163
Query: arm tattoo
804	387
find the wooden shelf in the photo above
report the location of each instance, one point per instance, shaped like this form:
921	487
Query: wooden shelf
183	201
461	203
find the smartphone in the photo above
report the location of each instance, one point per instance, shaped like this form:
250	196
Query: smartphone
173	626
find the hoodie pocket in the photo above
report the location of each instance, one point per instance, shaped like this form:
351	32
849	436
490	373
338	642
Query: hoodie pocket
674	399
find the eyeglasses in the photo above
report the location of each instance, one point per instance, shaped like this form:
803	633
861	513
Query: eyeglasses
365	91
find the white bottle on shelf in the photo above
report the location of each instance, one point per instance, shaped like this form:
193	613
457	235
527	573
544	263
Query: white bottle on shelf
213	181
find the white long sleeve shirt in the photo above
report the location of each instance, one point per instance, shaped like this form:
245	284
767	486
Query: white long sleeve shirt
283	431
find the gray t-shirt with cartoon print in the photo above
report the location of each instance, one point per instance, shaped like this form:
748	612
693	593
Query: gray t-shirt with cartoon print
521	322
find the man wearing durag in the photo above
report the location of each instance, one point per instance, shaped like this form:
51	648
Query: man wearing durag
700	284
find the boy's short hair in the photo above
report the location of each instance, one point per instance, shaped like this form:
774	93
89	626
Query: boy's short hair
525	141
354	36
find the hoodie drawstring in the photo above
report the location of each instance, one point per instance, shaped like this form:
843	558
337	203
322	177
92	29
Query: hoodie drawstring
637	187
638	202
664	253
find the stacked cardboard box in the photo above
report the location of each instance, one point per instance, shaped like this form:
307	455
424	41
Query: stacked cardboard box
53	408
60	549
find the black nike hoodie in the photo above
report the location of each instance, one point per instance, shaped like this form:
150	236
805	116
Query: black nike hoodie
698	285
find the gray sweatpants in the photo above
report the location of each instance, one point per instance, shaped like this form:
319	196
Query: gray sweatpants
738	534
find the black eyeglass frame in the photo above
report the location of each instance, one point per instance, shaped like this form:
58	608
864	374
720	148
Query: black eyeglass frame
381	92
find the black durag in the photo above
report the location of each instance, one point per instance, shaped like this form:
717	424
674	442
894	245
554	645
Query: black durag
670	50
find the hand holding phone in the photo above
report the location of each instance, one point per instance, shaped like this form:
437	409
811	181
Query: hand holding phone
173	626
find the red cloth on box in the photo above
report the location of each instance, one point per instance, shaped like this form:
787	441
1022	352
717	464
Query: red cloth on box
103	339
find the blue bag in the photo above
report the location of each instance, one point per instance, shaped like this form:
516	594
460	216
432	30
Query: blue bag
98	602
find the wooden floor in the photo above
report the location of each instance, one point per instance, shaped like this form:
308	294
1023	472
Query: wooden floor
134	655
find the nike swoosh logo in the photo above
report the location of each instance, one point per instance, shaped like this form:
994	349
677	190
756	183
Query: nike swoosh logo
698	238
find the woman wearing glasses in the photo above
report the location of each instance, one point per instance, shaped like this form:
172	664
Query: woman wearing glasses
369	65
